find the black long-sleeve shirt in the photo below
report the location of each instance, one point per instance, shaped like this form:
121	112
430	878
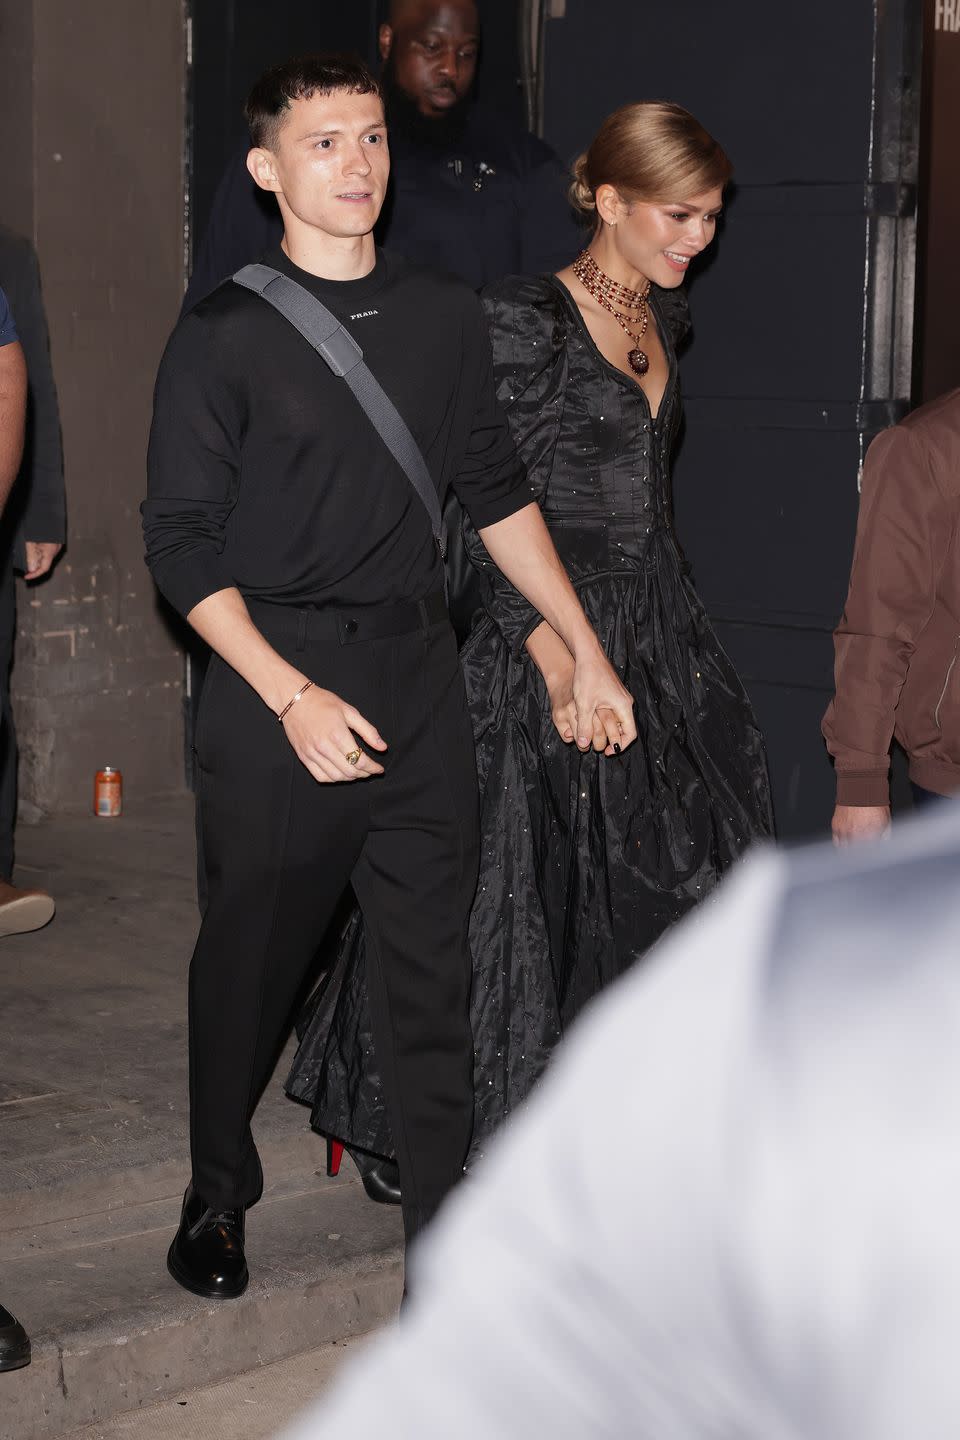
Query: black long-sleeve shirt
265	473
491	203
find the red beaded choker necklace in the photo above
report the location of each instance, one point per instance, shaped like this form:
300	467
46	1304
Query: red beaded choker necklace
615	298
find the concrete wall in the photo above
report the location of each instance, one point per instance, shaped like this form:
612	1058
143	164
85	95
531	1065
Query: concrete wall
92	109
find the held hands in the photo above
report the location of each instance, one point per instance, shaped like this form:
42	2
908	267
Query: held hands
859	822
324	730
609	726
604	707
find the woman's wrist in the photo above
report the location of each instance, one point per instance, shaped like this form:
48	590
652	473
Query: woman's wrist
549	653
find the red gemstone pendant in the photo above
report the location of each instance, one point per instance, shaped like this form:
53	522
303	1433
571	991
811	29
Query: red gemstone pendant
638	362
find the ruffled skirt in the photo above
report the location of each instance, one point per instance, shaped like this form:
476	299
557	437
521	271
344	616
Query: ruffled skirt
585	860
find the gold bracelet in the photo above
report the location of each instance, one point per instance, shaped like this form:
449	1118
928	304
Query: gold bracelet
299	696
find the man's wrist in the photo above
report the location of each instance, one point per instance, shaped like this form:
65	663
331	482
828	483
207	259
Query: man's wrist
864	789
584	645
280	689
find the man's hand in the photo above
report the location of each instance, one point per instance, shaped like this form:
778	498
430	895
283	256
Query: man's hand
604	707
323	730
859	822
40	557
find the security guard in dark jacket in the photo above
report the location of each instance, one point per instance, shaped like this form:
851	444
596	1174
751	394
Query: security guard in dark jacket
471	193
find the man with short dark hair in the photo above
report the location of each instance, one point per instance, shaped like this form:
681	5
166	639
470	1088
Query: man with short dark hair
279	523
471	192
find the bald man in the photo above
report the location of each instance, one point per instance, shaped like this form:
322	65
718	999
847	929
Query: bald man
471	194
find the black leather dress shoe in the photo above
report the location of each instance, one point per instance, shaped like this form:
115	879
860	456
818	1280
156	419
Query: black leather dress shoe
382	1182
14	1342
206	1256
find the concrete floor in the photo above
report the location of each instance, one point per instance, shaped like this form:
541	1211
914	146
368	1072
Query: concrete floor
93	1023
94	1151
255	1406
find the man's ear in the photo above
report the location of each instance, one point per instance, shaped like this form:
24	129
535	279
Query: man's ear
261	166
385	41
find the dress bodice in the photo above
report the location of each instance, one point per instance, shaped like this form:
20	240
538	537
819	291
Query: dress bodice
598	460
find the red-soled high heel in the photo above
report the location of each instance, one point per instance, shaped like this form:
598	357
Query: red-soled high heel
334	1156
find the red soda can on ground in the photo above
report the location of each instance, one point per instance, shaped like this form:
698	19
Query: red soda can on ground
108	792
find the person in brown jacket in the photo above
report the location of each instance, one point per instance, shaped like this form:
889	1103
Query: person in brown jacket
898	642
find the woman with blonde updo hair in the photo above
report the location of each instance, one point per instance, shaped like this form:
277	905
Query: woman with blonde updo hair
587	858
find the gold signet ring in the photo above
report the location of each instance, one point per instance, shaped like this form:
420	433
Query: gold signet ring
352	756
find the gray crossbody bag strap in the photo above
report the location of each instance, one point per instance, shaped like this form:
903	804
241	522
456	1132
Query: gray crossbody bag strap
321	329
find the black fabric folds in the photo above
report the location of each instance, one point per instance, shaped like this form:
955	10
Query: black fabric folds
585	861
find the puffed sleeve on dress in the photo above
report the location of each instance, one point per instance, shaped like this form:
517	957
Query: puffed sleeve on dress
675	309
528	337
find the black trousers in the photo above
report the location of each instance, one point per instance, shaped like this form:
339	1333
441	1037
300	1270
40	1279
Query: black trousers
278	849
923	799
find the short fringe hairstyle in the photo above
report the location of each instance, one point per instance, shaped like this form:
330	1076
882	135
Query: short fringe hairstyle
301	79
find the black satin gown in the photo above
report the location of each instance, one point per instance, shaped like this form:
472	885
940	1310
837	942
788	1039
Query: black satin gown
585	860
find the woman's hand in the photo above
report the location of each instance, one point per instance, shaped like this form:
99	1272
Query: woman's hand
559	683
555	663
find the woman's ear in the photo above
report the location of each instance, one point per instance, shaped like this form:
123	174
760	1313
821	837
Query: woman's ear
610	207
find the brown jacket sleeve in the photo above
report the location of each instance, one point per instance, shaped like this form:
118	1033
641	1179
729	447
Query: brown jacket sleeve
903	532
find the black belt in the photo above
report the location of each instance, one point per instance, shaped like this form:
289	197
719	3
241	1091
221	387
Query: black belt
379	621
363	622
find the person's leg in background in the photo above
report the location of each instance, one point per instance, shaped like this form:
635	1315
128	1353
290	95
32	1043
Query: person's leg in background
14	1340
20	910
923	799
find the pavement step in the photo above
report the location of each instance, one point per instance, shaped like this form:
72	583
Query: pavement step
113	1333
256	1406
124	1219
63	1195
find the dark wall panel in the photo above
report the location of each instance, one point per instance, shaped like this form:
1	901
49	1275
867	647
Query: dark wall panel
786	88
778	308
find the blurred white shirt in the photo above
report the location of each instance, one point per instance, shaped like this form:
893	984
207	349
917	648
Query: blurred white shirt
733	1207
